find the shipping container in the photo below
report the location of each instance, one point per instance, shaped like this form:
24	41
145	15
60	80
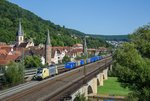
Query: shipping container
70	65
81	62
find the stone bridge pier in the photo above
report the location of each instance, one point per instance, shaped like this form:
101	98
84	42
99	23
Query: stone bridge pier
91	86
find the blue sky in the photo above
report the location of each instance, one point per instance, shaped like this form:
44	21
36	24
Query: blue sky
103	17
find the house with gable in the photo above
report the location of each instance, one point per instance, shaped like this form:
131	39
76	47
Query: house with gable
7	54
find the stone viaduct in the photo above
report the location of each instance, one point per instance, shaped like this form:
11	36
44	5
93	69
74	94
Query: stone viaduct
91	86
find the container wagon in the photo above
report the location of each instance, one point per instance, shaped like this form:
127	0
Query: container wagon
70	65
81	62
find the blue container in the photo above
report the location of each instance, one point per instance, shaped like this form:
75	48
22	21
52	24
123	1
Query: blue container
81	62
87	60
91	59
100	57
96	58
70	65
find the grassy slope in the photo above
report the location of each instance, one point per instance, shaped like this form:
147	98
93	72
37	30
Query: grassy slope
112	87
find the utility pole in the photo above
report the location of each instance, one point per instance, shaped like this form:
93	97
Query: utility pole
22	62
85	54
85	47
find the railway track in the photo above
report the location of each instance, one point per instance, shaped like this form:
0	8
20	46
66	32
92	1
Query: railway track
55	82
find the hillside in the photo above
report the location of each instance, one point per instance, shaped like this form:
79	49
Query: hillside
35	27
112	37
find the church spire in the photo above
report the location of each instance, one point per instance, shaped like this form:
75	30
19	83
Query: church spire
20	34
20	31
48	42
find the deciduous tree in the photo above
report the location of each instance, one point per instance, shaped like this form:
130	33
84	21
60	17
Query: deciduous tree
14	73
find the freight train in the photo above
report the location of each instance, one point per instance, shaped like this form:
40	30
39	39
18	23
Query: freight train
51	70
71	65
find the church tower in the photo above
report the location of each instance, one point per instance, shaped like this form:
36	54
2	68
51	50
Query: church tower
20	34
48	50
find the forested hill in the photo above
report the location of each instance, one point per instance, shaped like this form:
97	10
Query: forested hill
112	37
35	27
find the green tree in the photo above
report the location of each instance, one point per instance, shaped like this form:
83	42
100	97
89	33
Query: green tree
14	73
141	38
133	71
66	59
80	97
32	61
84	57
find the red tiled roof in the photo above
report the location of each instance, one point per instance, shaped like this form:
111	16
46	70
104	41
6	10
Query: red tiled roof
61	48
7	48
78	50
12	57
74	51
2	57
7	58
91	49
3	52
102	49
78	45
